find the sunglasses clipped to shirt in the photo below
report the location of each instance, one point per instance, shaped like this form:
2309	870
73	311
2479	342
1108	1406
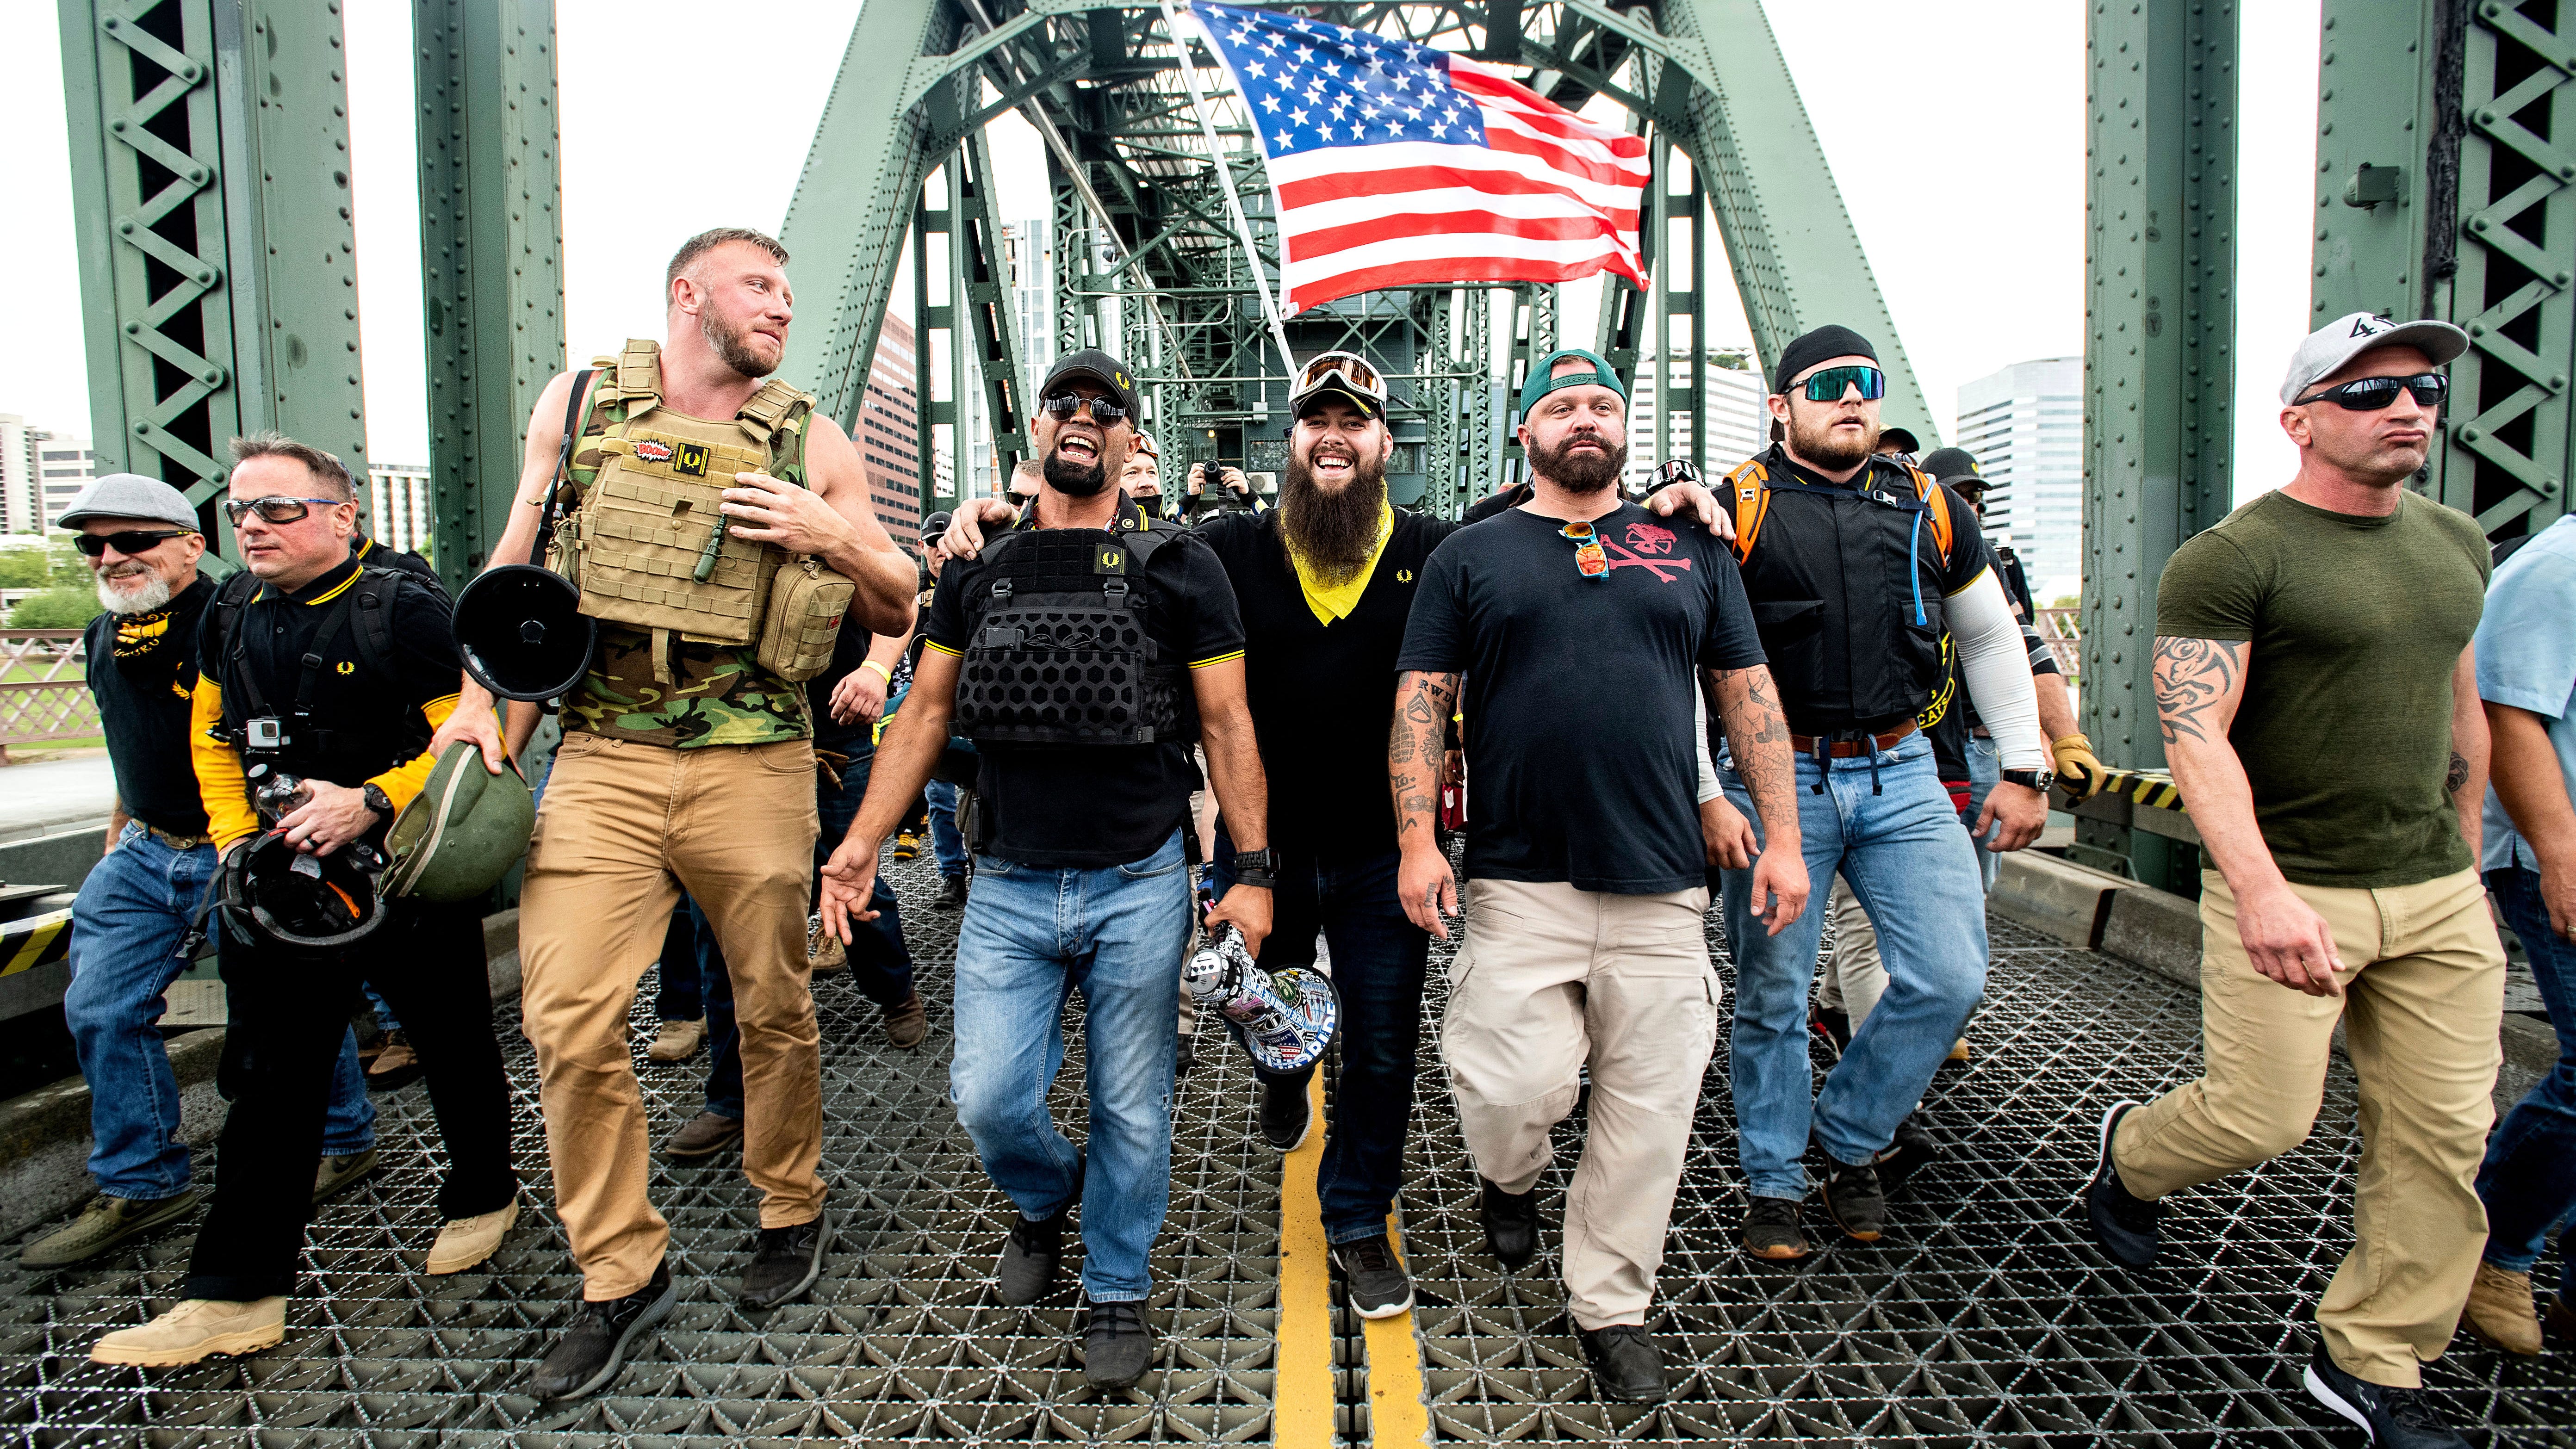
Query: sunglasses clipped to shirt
1065	404
1827	386
2370	394
276	508
131	542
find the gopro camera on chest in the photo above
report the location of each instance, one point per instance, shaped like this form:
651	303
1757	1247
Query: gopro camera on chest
267	732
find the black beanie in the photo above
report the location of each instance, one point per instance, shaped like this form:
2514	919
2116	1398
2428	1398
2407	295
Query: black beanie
1815	347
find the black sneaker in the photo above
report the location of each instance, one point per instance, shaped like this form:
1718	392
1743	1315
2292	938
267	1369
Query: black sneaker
786	1264
1853	1199
594	1348
1029	1257
1511	1224
1834	1026
952	892
1185	1056
1771	1231
1380	1288
1914	1148
1626	1365
1286	1115
2399	1418
2124	1226
1117	1346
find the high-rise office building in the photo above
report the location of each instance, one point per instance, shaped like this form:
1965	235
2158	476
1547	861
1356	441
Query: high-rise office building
398	505
2025	425
888	433
1731	416
60	465
21	503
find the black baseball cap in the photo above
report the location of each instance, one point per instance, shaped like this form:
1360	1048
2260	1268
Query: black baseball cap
1956	467
1093	365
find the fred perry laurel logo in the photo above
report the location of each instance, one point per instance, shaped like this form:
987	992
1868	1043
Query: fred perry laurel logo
691	459
1111	561
1404	576
347	667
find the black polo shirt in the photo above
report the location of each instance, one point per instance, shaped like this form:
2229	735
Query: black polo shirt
142	669
1323	696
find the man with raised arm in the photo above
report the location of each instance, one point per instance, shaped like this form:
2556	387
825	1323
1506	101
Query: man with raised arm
2318	692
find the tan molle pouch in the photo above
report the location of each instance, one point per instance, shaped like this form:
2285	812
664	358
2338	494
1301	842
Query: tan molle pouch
807	605
650	527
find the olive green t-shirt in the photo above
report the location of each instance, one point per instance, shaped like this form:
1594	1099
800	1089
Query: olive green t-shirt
2345	729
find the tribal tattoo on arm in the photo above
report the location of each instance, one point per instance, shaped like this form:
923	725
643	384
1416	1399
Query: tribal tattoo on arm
2198	683
1423	703
1757	736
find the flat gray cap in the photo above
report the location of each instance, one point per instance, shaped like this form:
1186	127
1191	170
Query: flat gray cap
130	495
2324	352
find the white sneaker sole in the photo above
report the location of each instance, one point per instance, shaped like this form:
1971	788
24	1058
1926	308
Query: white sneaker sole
2318	1391
1388	1311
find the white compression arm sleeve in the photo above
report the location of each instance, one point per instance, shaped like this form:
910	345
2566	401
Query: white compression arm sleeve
1996	665
1709	789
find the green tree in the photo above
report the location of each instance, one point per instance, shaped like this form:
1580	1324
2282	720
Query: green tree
60	607
24	568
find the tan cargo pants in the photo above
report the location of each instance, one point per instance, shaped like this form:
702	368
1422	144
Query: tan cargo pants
2423	991
1548	979
623	830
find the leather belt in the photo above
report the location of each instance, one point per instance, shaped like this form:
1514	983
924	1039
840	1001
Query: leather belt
1848	749
178	842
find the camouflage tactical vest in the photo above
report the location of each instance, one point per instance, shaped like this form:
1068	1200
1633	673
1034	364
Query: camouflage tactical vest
681	602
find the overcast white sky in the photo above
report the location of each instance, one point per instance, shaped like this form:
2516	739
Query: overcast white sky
1955	130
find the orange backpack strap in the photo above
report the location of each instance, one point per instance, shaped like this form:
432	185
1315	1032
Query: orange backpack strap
1936	501
1751	501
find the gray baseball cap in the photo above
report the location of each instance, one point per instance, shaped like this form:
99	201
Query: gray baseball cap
2328	348
130	495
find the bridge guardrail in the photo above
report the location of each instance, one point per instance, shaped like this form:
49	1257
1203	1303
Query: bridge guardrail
44	689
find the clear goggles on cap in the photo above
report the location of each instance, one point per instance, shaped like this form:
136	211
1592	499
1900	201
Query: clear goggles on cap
1342	370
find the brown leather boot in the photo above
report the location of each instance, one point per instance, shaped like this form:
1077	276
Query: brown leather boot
907	1022
2499	1310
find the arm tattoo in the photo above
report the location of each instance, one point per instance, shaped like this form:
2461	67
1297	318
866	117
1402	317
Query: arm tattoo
1419	723
2456	778
1757	735
2192	676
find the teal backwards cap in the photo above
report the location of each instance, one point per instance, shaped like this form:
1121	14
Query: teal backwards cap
1540	384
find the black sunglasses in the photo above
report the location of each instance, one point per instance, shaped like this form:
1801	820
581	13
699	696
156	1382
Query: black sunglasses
1066	404
277	507
132	542
2370	394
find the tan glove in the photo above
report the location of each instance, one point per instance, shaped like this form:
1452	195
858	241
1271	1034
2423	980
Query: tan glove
2082	775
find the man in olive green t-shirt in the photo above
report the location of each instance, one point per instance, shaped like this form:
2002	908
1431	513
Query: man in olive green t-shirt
2319	702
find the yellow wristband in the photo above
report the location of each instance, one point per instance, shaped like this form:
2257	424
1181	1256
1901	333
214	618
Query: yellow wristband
882	672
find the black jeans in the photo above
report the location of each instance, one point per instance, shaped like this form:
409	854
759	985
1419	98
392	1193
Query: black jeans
879	961
1379	958
289	1017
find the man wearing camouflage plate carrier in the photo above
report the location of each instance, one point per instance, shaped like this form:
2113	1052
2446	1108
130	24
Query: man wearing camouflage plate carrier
719	530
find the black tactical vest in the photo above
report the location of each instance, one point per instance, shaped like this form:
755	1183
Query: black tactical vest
1058	652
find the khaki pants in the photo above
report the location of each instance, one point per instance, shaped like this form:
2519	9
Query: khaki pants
2423	989
1854	978
624	829
1547	979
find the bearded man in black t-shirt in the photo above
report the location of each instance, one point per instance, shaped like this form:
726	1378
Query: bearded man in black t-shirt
1582	628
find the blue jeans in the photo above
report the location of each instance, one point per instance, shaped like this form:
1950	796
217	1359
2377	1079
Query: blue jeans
1893	834
2528	1180
1378	962
1032	937
946	845
1985	772
133	908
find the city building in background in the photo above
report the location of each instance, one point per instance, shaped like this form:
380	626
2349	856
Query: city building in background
398	505
888	434
41	472
2025	424
64	466
1731	416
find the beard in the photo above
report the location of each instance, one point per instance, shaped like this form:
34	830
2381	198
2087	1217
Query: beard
1581	472
1333	531
154	594
1823	448
1075	480
732	346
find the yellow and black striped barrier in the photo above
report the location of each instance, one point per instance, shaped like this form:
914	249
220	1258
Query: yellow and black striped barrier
2154	789
35	941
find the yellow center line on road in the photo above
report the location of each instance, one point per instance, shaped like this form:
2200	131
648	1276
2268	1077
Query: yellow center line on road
1302	1396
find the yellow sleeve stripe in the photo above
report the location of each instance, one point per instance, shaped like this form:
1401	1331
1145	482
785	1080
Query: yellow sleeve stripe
1219	659
942	648
1970	584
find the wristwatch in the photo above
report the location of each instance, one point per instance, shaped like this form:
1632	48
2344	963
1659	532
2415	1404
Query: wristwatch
2038	780
377	800
1257	868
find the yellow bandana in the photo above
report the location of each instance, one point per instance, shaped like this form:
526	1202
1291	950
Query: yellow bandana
1335	601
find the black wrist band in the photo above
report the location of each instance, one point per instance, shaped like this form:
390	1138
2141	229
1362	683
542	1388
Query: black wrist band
1256	879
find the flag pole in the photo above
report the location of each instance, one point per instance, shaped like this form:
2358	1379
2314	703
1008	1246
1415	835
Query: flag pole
1225	179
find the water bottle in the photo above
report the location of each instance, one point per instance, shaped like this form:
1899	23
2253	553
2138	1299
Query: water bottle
1284	1020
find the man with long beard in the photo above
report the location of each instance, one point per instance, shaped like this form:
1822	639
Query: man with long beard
1855	565
1080	874
1325	582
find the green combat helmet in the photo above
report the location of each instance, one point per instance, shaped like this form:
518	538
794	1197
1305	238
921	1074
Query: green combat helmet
462	832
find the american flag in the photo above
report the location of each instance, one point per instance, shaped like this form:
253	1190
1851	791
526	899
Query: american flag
1396	164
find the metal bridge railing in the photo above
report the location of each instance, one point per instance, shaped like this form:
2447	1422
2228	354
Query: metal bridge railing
44	693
